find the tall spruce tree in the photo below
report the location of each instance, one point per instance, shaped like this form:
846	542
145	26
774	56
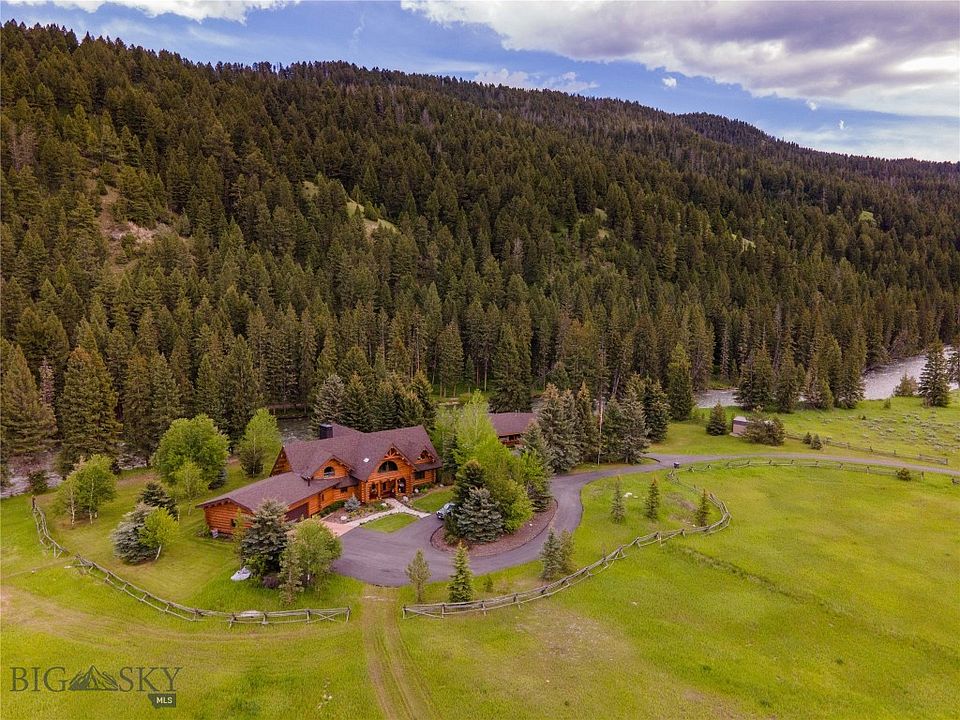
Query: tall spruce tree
355	410
88	409
786	391
934	385
478	518
461	583
165	400
586	425
241	389
558	427
633	440
618	508
136	403
679	384
511	393
27	424
656	410
328	404
717	425
652	507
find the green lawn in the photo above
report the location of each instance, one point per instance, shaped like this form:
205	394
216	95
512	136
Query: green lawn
905	427
194	569
433	500
390	523
831	595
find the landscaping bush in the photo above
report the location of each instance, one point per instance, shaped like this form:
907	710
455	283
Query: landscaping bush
333	507
37	482
717	425
807	439
763	430
816	443
351	504
904	474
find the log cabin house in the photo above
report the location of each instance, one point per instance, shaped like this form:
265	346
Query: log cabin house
510	426
311	475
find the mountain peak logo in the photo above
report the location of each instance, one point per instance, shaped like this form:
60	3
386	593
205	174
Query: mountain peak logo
93	679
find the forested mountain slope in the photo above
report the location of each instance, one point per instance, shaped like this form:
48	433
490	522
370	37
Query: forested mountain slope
198	221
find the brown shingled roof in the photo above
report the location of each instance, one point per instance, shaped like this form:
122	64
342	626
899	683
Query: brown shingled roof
511	423
288	488
360	452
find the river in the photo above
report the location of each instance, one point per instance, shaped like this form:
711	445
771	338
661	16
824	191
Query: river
878	383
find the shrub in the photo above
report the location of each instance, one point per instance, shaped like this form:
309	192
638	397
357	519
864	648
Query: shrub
907	387
764	430
904	474
37	482
351	504
717	425
886	404
807	439
816	443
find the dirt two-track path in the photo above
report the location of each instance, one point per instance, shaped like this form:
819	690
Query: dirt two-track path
395	678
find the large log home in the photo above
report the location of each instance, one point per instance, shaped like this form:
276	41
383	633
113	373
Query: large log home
312	475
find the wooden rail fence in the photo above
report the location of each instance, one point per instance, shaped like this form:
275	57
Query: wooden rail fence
184	612
869	449
518	598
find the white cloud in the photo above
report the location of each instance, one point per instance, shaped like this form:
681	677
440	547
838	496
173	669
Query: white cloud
812	105
842	125
235	10
934	139
669	82
902	57
568	82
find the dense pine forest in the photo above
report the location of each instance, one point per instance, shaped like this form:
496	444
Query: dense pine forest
181	238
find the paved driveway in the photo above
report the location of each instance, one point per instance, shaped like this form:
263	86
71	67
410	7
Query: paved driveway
381	558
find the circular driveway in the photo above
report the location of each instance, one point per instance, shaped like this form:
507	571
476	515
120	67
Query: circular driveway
381	558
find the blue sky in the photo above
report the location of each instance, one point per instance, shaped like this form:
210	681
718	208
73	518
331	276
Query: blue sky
877	79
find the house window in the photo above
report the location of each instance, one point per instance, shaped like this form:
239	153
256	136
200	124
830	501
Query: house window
419	475
328	471
344	491
387	466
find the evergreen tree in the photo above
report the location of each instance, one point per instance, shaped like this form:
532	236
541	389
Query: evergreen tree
907	387
241	389
679	384
558	427
652	506
717	425
328	405
154	495
449	357
550	557
703	510
566	553
850	387
422	389
632	438
208	396
786	389
588	436
88	409
656	411
461	584
265	538
511	393
137	404
418	573
934	385
756	386
355	410
478	518
953	363
471	476
533	441
127	542
165	396
27	424
618	508
533	475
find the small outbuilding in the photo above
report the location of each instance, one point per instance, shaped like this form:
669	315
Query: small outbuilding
739	425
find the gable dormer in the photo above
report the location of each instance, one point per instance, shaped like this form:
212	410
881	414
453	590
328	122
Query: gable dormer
331	468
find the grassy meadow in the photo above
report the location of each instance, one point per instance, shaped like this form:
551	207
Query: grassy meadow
833	594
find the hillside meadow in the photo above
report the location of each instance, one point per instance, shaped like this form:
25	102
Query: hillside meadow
832	594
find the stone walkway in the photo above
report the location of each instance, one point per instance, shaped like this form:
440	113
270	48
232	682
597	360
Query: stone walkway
396	507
